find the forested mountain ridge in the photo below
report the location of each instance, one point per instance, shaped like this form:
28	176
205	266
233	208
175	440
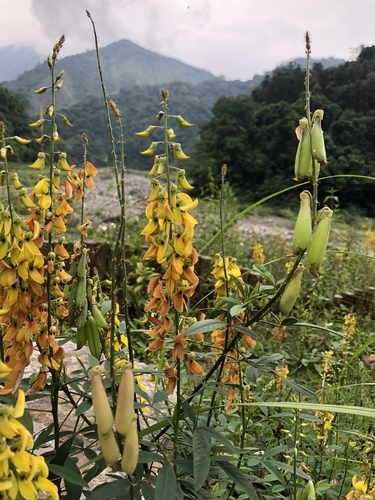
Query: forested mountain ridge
124	65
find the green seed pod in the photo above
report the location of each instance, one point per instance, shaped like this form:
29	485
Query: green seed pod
307	492
109	447
125	401
93	336
99	318
303	229
317	248
81	337
291	292
317	138
82	316
303	159
102	410
131	451
65	120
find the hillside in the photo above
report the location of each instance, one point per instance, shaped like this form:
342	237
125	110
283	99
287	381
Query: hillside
125	65
14	60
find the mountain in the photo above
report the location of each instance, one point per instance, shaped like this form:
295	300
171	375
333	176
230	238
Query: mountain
124	64
14	60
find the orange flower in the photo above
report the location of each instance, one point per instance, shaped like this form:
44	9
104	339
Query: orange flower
195	368
170	373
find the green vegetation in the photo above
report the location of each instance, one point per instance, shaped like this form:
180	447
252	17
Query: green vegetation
257	382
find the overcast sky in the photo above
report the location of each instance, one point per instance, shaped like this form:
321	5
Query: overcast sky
232	38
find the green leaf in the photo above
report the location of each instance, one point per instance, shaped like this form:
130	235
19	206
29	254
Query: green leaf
251	373
264	272
83	407
118	489
205	326
237	309
299	388
67	474
304	406
245	331
201	458
148	456
73	490
218	436
289	321
240	479
166	483
160	396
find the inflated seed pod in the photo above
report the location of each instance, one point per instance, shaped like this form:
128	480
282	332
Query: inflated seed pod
102	410
131	450
303	228
317	137
109	447
291	292
318	245
303	158
125	401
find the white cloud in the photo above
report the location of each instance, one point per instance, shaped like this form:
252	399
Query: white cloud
235	38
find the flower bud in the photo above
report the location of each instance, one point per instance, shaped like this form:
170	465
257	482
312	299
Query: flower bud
102	410
125	401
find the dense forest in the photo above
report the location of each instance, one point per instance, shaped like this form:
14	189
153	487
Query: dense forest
247	125
254	135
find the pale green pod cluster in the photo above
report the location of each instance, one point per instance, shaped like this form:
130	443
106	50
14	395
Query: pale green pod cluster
125	401
307	492
303	158
303	228
130	454
317	138
318	245
292	290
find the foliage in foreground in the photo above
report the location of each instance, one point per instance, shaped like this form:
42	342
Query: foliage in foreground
263	393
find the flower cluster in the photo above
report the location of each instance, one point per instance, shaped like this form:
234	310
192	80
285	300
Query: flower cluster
169	233
349	326
323	425
282	373
22	475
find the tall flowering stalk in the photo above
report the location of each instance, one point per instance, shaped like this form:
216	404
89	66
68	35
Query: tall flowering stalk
169	233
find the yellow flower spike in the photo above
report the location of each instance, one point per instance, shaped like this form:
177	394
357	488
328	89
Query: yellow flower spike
27	490
64	208
5	485
5	370
177	152
15	181
36	276
39	163
183	123
151	228
56	178
182	182
45	201
38	261
20	404
4	246
44	484
82	229
36	124
146	133
13	490
59	224
25	201
90	169
7	222
12	295
63	164
43	467
21	459
42	186
150	150
189	206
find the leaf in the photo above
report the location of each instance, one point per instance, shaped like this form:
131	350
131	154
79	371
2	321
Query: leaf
304	406
300	389
190	413
166	483
245	331
251	373
148	456
289	321
67	474
237	309
264	272
83	407
160	396
205	326
73	490
201	457
44	437
218	436
240	479
118	489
